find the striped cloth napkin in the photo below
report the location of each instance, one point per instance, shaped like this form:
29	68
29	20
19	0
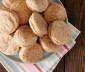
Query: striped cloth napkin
47	65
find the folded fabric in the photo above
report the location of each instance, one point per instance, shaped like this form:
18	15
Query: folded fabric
47	65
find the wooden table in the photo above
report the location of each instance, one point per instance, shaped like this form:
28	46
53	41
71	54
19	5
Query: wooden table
74	61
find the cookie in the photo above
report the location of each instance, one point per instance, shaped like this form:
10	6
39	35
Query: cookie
59	32
55	11
48	45
8	45
38	24
37	5
9	21
7	3
31	54
20	7
24	36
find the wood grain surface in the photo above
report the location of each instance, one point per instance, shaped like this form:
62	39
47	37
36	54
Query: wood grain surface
74	60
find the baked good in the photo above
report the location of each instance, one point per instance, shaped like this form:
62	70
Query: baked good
24	36
9	21
38	24
31	54
8	45
59	32
20	7
37	5
48	45
55	11
7	3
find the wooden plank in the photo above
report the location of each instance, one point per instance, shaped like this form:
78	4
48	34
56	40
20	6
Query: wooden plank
75	59
2	69
73	8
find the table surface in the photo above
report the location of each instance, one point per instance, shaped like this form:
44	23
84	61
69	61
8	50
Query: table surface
73	61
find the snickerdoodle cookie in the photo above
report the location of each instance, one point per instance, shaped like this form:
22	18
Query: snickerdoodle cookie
20	7
38	24
31	54
59	32
7	3
48	45
9	21
24	36
37	5
8	45
55	11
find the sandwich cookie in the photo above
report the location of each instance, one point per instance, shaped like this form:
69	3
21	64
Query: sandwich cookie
55	11
48	45
59	32
37	5
31	54
7	3
38	24
24	36
20	7
8	45
9	21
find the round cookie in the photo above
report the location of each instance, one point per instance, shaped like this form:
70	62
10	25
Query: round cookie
59	32
31	54
37	5
9	21
38	24
7	3
8	45
24	36
55	11
48	45
23	12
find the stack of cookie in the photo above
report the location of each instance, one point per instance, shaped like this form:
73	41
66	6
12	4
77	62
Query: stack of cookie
30	27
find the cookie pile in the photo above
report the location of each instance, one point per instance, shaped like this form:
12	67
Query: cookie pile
30	27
